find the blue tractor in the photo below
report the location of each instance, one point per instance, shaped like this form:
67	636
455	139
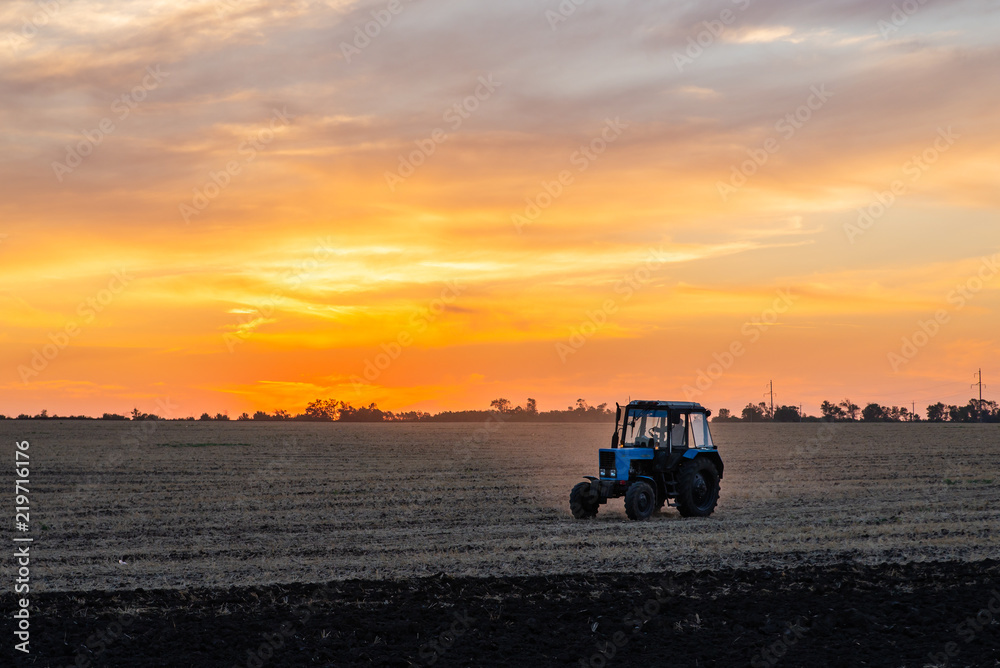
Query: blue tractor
661	452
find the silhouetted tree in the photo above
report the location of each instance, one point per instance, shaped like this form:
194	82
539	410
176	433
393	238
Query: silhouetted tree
323	410
874	413
851	409
500	405
752	413
786	414
832	411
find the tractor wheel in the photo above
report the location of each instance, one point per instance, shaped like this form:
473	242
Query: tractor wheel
584	501
640	500
698	488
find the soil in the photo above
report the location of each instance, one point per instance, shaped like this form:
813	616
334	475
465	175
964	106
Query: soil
849	614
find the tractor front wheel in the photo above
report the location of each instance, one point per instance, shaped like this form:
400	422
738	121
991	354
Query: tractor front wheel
640	501
698	488
584	501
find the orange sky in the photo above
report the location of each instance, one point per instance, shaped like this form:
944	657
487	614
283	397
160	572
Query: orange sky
240	206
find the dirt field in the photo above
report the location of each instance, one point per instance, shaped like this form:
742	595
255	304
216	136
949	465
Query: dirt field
222	513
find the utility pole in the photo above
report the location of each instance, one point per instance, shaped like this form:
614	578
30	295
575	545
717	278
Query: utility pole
772	399
913	405
979	406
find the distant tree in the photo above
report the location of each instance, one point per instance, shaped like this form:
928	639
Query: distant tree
725	415
851	409
244	416
261	415
897	414
752	413
281	415
113	416
960	413
984	411
989	411
937	412
204	416
832	411
787	414
500	405
369	414
221	417
874	413
322	410
532	407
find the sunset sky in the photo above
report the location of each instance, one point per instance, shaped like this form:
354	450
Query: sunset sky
239	206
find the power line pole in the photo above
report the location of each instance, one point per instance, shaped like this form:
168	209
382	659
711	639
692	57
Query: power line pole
913	405
772	399
979	406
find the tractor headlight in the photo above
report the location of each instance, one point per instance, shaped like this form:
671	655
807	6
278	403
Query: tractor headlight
614	473
603	472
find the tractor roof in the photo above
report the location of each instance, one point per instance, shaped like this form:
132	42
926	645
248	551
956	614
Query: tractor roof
673	405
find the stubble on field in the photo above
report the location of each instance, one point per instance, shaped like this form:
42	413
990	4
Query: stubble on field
209	504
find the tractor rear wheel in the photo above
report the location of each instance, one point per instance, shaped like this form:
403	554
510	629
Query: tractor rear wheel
584	501
698	488
640	501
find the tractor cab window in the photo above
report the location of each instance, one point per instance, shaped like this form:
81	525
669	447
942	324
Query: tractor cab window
699	435
677	433
645	428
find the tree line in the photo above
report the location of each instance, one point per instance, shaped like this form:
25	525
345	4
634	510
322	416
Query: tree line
848	411
331	410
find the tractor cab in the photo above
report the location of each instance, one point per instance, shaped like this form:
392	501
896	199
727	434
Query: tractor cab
658	424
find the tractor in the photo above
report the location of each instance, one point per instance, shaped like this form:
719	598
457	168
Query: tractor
661	453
